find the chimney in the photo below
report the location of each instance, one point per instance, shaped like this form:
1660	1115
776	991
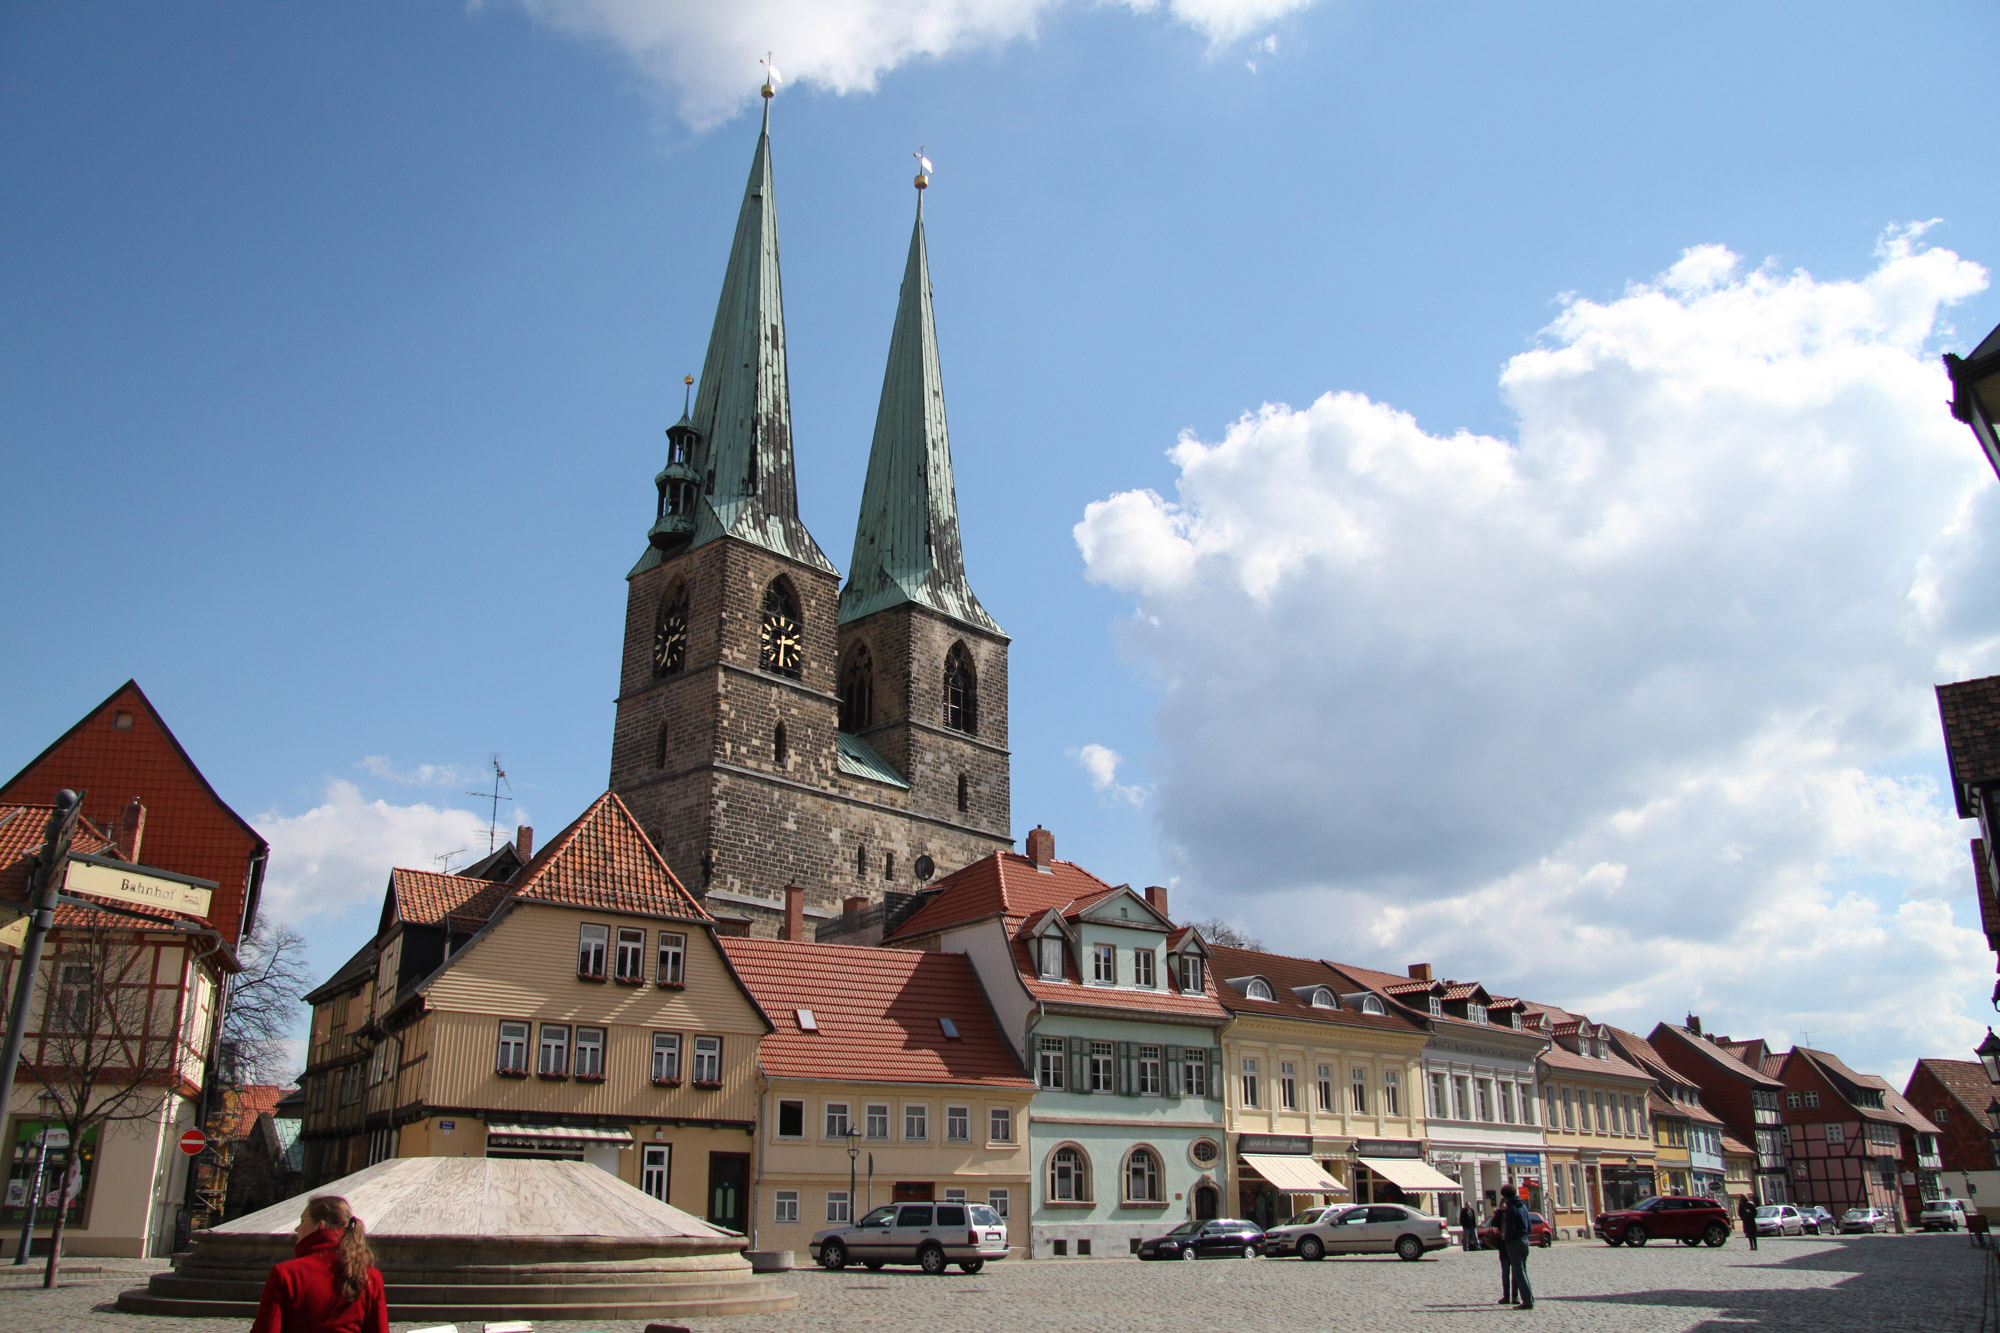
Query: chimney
795	914
1041	847
1156	897
129	830
1420	971
1694	1024
849	906
524	843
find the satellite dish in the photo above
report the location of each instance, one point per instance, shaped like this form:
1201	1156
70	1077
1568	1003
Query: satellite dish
925	869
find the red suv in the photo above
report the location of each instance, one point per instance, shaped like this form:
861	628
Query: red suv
1689	1221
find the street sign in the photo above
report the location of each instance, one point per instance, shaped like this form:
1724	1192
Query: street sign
193	1142
147	888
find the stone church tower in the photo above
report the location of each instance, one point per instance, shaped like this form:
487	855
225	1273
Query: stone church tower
774	729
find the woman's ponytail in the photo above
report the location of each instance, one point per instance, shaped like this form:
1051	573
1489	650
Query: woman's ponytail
352	1256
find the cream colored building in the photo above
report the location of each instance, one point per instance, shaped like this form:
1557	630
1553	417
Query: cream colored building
1599	1128
885	1079
578	1007
1321	1088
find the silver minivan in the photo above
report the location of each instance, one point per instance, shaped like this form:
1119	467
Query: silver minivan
933	1236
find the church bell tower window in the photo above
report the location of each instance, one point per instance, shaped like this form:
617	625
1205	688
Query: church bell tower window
857	690
961	693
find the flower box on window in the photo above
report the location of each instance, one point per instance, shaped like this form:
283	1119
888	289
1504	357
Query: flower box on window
590	1078
553	1078
630	981
671	985
666	1083
582	975
711	1084
511	1073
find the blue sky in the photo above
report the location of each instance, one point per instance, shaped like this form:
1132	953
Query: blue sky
337	344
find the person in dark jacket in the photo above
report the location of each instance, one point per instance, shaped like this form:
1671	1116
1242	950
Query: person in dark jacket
332	1285
1468	1226
1746	1213
1515	1233
1498	1223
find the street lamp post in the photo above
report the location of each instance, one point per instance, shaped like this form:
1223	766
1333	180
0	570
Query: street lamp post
853	1152
1988	1052
1975	394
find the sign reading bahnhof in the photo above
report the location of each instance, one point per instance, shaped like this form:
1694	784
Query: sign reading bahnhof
139	886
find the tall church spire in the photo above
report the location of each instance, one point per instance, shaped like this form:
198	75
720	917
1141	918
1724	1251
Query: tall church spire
906	546
741	446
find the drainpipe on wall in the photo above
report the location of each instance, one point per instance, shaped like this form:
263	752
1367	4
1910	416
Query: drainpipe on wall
757	1153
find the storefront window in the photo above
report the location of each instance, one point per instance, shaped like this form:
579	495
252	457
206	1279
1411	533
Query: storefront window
66	1177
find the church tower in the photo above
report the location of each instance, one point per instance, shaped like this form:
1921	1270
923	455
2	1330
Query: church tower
728	744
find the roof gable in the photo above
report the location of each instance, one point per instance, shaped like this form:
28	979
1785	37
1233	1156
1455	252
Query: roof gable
1001	884
605	861
1964	1081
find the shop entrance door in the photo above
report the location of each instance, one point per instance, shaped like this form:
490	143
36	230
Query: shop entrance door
728	1188
1207	1203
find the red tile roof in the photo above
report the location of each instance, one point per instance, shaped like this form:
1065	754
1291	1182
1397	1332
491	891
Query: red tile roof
1404	990
189	829
877	1013
603	861
21	830
1613	1066
1285	974
1846	1083
1965	1080
426	898
1970	711
1724	1061
1004	884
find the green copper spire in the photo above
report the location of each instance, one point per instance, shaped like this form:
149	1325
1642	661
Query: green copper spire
741	450
906	546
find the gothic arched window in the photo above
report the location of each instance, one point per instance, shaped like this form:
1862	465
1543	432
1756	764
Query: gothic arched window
670	632
857	689
961	692
779	638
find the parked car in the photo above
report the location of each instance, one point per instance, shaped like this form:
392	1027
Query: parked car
1943	1214
931	1235
1218	1238
1362	1228
1539	1233
1689	1220
1779	1219
1819	1221
1864	1219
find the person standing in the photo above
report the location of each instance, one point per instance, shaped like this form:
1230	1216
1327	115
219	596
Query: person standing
331	1285
1499	1225
1468	1226
1746	1213
1515	1234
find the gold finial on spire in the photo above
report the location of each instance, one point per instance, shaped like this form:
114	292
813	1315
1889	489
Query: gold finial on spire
687	393
771	77
923	168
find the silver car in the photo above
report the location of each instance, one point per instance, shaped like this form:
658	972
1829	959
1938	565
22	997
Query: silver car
1780	1219
1362	1228
1864	1219
933	1236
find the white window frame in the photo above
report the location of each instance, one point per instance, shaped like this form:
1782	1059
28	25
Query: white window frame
958	1124
1258	989
1288	1086
836	1120
1392	1094
1103	965
779	1131
1357	1089
1149	1070
673	959
590	1052
785	1207
1101	1065
916	1122
1076	1177
1194	980
1324	1090
1000	1124
1194	1072
631	948
839	1207
667	1057
1144	1164
593	941
1143	968
874	1114
1836	1133
555	1041
707	1064
1051	962
1252	1076
999	1201
1052	1072
512	1035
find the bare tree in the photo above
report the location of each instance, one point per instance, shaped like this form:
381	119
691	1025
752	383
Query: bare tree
264	1005
1217	931
109	1049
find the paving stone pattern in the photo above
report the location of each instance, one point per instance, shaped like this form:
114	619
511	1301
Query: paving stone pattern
1865	1282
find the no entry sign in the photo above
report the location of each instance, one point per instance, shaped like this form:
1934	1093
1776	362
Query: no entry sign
193	1142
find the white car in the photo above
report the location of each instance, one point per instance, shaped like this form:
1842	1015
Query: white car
932	1235
1943	1214
1363	1228
1780	1219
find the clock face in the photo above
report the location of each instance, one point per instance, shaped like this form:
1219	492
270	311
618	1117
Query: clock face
670	641
780	643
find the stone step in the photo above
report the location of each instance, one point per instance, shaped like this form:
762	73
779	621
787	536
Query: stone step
144	1302
443	1294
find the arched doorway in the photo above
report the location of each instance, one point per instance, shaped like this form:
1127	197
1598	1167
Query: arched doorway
1207	1203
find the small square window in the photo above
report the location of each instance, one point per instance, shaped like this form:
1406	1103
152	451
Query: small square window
998	1201
791	1120
785	1206
121	720
1000	1125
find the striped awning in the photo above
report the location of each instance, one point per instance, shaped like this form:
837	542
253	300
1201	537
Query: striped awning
502	1135
1411	1174
1293	1175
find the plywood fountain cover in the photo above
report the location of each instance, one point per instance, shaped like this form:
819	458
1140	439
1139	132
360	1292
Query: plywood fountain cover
500	1198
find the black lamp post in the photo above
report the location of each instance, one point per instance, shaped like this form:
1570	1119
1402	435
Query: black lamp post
1989	1056
1975	396
854	1151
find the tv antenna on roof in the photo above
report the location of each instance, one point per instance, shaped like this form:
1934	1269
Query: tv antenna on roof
493	818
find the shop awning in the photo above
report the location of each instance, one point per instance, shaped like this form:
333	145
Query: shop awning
1293	1175
1410	1174
502	1135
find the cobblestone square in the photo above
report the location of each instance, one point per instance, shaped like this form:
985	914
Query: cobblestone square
1922	1282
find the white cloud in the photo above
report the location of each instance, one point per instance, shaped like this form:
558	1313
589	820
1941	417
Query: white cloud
423	775
705	55
338	854
1101	763
1621	712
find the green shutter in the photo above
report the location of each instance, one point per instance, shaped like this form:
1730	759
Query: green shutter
1215	1072
1172	1085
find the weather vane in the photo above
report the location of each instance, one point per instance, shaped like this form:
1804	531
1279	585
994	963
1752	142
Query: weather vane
771	76
923	168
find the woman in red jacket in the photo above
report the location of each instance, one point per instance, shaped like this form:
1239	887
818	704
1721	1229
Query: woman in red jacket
332	1286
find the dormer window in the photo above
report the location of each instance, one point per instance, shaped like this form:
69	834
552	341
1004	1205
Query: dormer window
1104	965
1371	1005
1437	1007
1322	998
1192	980
1052	959
1258	989
1475	1012
1515	1019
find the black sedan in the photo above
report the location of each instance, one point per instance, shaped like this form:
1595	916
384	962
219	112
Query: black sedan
1223	1238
